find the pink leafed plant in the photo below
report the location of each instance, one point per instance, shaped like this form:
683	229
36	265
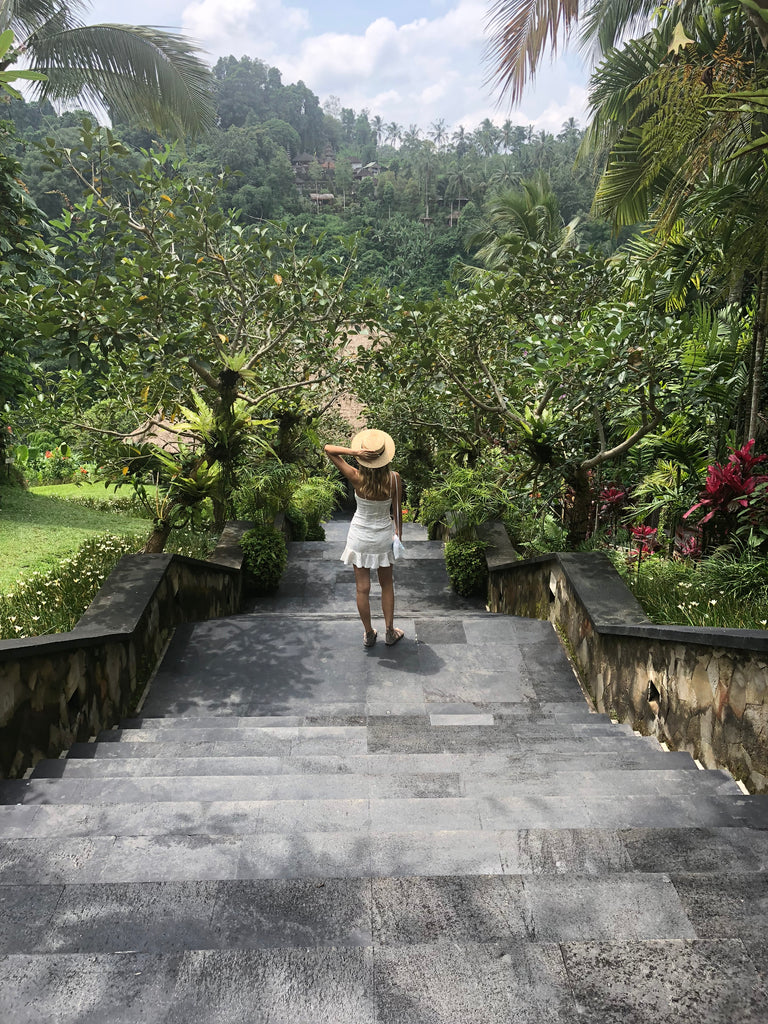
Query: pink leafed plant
728	488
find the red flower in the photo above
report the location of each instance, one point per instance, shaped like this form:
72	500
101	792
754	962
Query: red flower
48	455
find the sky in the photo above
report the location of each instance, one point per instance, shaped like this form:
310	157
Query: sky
409	61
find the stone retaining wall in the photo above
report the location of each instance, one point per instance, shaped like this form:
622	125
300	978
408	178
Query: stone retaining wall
55	690
704	691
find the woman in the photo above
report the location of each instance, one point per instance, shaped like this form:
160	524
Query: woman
370	539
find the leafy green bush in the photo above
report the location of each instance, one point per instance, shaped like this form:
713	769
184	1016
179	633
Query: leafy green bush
534	530
265	554
316	498
315	531
465	499
53	601
297	523
266	492
192	543
119	503
467	568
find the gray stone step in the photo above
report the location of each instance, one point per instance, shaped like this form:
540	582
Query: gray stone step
300	738
366	817
524	711
349	912
485	983
520	765
347	854
394	742
426	786
317	803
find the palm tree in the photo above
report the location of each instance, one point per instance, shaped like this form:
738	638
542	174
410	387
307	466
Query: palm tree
377	125
684	152
438	132
461	140
487	137
133	71
394	133
412	136
514	219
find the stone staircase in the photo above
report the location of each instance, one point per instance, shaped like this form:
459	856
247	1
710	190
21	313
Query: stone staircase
298	831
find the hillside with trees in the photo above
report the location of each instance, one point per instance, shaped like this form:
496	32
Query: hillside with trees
416	196
594	381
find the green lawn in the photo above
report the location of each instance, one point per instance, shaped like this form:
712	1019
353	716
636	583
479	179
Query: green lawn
38	528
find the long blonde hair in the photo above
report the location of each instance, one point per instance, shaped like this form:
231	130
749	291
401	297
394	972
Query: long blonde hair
376	483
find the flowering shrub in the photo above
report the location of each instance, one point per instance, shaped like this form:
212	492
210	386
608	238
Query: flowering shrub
612	500
56	465
53	601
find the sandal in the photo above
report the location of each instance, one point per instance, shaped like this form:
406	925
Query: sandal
370	638
393	635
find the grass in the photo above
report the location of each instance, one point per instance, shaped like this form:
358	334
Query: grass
55	553
39	528
715	592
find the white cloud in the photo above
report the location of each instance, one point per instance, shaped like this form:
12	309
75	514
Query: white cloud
551	118
253	27
414	72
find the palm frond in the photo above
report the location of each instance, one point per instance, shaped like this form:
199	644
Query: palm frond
142	73
606	23
27	16
520	31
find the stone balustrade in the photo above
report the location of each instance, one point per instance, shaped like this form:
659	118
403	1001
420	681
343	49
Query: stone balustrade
55	690
700	690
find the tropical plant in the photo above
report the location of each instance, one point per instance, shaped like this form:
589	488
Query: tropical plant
199	320
265	554
20	74
516	218
466	566
463	501
135	72
734	495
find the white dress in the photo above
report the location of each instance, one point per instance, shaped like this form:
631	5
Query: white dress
369	541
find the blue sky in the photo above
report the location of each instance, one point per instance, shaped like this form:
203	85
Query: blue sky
410	61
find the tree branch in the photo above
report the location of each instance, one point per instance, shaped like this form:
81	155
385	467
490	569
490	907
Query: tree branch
285	387
612	453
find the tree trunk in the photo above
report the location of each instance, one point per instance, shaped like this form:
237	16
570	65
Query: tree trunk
157	539
758	355
579	512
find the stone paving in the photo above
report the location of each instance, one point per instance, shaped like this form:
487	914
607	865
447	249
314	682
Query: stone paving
298	831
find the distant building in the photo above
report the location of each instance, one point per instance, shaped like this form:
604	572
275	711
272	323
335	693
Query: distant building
301	164
321	197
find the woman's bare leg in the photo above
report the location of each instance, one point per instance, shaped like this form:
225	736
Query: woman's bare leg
387	583
363	595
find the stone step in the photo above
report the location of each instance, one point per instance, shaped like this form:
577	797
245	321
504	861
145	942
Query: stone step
578	784
481	982
349	912
527	711
520	765
269	738
434	742
182	857
376	811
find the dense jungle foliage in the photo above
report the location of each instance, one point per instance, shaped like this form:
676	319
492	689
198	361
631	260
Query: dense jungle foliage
582	357
402	189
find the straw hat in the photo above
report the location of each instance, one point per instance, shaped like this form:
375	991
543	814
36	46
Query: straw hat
372	440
